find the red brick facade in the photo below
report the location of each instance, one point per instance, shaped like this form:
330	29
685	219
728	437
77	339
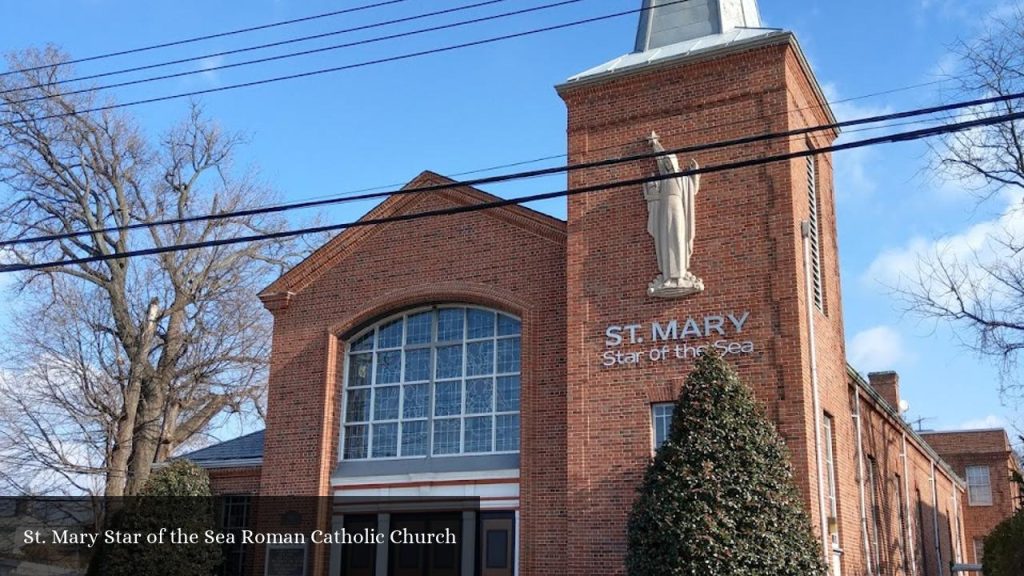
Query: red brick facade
511	260
749	252
989	449
586	428
235	480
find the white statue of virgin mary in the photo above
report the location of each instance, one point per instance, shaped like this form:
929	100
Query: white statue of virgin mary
671	218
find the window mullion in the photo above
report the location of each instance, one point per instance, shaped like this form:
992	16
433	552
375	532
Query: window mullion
465	372
432	387
373	392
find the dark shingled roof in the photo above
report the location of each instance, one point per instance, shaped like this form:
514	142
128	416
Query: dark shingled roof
241	448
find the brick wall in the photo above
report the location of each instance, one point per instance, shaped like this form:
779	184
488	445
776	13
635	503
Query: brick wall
990	448
907	535
234	480
511	259
748	250
586	428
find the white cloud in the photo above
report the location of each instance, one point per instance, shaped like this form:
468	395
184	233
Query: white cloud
206	64
876	349
850	109
947	66
990	421
853	167
977	245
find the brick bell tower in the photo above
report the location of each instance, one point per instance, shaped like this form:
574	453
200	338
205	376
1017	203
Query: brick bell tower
702	71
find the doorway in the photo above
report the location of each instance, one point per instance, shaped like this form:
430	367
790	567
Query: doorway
421	559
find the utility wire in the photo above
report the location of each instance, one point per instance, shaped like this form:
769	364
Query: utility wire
349	193
535	173
386	186
887	139
515	164
281	43
363	64
208	36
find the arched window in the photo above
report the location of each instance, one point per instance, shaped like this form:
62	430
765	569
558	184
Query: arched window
433	382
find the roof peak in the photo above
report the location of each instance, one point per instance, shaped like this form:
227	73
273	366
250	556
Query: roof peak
664	22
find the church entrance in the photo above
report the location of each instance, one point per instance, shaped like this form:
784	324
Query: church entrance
409	557
484	544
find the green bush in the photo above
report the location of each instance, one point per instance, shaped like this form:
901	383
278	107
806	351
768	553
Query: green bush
176	496
719	496
1004	548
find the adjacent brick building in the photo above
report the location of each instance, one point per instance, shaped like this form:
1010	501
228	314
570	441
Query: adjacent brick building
500	355
985	459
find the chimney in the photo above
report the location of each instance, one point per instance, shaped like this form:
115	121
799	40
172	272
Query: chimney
888	385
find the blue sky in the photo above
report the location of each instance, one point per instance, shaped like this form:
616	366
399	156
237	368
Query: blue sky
496	104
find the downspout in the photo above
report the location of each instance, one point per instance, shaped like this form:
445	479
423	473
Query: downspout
826	540
957	552
935	521
907	516
860	486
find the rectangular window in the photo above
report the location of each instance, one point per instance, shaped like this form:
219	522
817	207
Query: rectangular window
234	518
979	486
661	420
830	473
876	517
496	548
979	550
923	543
813	217
901	517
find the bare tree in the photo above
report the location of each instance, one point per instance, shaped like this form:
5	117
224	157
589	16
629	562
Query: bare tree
978	285
111	365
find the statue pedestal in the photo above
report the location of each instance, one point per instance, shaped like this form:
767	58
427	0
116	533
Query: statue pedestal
685	286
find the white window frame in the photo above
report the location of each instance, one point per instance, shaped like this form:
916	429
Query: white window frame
432	345
668	407
974	484
875	534
828	424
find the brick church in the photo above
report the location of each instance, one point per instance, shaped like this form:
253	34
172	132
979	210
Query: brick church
515	372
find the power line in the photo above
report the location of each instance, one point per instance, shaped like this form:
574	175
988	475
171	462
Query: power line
273	44
556	156
348	193
208	36
313	51
363	64
887	139
534	173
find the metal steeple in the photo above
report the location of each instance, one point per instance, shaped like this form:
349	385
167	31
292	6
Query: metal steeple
665	23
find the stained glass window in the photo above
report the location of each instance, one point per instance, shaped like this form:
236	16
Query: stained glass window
437	382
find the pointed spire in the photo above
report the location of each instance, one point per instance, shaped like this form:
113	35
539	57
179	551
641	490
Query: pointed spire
669	21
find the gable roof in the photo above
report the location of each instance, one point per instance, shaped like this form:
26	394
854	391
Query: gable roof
322	259
248	447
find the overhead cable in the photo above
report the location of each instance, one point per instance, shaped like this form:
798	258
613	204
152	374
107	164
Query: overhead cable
746	140
887	139
207	37
363	64
275	58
